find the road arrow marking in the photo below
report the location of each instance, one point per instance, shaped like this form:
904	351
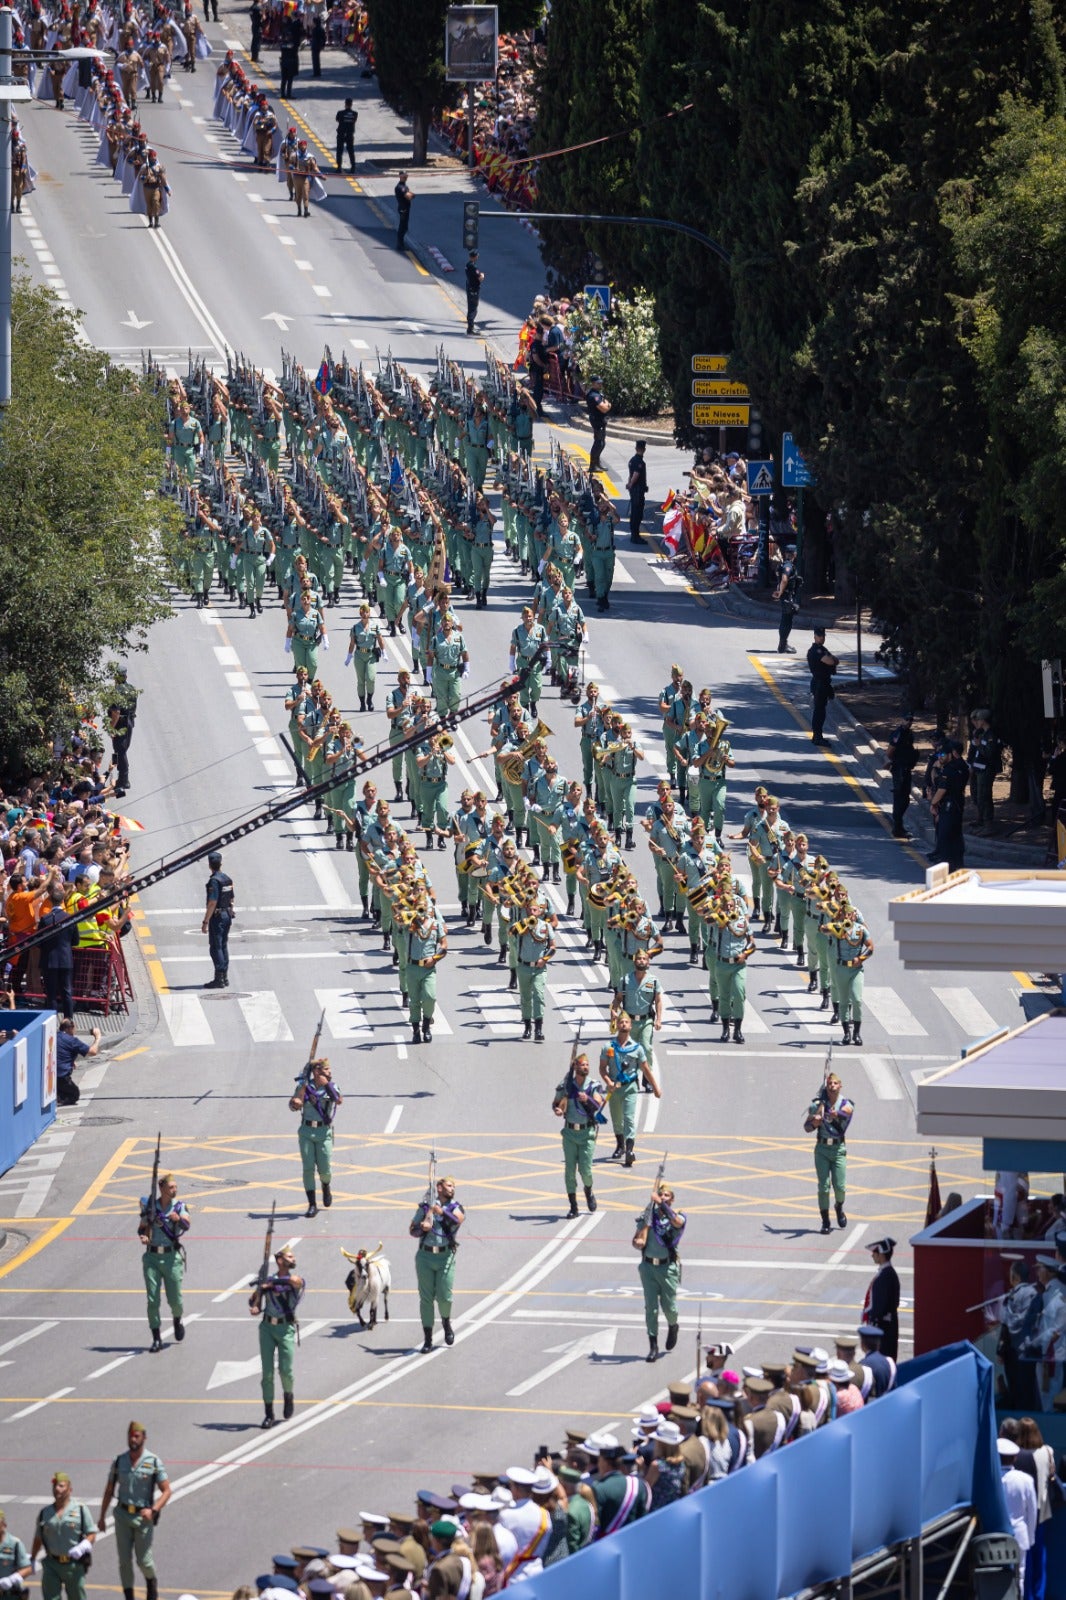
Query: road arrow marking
276	316
230	1371
132	320
600	1343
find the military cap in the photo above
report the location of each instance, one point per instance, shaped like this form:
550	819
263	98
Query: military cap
284	1564
839	1372
309	1552
759	1385
277	1580
438	1502
344	1563
680	1394
845	1341
521	1477
868	1330
569	1474
751	1372
490	1479
575	1436
683	1413
885	1245
775	1369
320	1586
444	1529
459	1489
803	1358
402	1519
399	1564
385	1544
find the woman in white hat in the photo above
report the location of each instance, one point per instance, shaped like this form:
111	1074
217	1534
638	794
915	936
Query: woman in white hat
668	1474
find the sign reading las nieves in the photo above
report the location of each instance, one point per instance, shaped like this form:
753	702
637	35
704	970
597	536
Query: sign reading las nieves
708	415
719	389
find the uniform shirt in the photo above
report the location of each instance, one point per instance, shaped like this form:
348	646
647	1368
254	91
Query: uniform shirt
279	1297
671	843
638	999
306	625
576	1108
527	641
620	1500
599	866
547	795
395	560
734	937
135	1482
590	730
664	1236
320	1105
60	1531
477	432
604	538
13	1555
448	653
535	943
879	1374
623	1063
836	1117
365	638
166	1229
720	756
425	937
445	1227
483	530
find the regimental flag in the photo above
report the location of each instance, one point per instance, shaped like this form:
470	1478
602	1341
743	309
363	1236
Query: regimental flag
932	1205
324	378
396	475
671	496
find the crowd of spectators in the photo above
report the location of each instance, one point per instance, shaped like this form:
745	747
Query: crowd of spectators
504	122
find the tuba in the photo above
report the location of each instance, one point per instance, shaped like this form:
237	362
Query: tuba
720	725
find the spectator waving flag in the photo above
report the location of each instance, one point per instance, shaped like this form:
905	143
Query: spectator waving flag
324	379
671	523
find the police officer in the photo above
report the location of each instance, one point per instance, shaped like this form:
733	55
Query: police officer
822	666
623	1064
787	591
880	1308
474	279
637	484
218	917
346	121
135	1476
902	760
66	1532
984	762
598	407
580	1104
403	209
828	1117
14	1559
275	1299
435	1225
947	806
160	1230
317	1098
659	1231
121	715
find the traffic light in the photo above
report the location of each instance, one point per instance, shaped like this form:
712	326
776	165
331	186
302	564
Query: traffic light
471	210
754	435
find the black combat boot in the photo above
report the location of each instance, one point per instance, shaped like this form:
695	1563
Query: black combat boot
847	1033
535	858
826	1225
289	1407
590	1198
327	1195
527	1028
714	1011
157	1343
856	1033
825	1001
312	1204
842	1220
427	1341
570	905
538	1032
573	1212
270	1419
127	1594
693	954
738	1037
725	1031
836	1013
446	1324
486	932
338	841
349	842
653	1350
427	1032
179	1330
630	1157
555	873
619	1147
629	838
801	956
672	1331
812	982
618	838
512	982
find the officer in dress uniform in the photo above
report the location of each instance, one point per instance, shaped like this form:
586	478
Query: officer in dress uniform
66	1532
659	1231
829	1116
435	1225
14	1559
880	1308
317	1099
623	1064
274	1300
161	1230
135	1476
879	1370
580	1105
218	916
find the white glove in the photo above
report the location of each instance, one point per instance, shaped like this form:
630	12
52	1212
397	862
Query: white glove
510	662
7	1583
35	1564
288	647
464	670
348	659
82	1548
325	641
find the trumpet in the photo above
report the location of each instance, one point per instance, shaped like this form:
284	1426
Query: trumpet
444	741
606	752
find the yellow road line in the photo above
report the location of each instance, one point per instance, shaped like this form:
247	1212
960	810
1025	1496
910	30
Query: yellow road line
125	1149
155	972
1023	979
139	1050
36	1246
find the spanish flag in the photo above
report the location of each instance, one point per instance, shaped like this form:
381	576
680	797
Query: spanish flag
668	502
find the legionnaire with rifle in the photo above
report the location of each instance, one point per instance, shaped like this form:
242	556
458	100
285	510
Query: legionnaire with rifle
622	1065
435	1225
317	1097
580	1104
274	1299
135	1476
828	1116
659	1230
164	1219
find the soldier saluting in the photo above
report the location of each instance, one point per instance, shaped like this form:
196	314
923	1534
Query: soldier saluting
317	1097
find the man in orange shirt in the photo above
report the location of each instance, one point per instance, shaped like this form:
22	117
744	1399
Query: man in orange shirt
21	911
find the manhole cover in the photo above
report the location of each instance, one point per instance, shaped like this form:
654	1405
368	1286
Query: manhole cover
103	1122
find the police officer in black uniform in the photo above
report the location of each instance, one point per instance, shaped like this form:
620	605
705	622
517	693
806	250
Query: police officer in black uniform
822	666
121	715
787	591
637	484
346	121
474	279
402	192
902	760
255	12
597	405
947	805
984	762
218	916
292	32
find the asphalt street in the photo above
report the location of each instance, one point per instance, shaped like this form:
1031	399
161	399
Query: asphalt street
549	1317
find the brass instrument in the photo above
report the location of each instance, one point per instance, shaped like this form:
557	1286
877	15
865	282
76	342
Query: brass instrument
605	754
445	741
720	725
512	762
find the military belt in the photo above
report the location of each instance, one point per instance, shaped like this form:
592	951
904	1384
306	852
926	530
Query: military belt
64	1561
275	1321
310	1123
132	1509
433	1249
729	961
578	1127
161	1249
656	1261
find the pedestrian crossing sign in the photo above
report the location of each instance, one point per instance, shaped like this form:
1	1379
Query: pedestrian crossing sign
760	477
598	295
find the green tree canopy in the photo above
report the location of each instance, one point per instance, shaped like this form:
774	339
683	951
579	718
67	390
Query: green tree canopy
408	40
83	533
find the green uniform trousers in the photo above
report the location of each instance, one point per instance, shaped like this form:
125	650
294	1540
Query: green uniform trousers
643	1033
133	1537
849	992
732	990
421	993
366	676
280	1338
433	803
660	1289
446	694
530	692
664	872
623	1108
831	1165
163	1272
531	992
436	1275
480	567
712	796
578	1151
316	1153
601	572
670	737
305	655
817	950
68	1579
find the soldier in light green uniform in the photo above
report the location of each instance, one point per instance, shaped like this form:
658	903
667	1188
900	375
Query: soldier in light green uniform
135	1476
747	831
306	631
713	785
829	1116
200	529
186	436
734	946
672	727
66	1533
433	764
364	647
659	1231
468	825
395	565
621	768
817	948
544	805
316	1099
580	1104
622	1065
534	947
448	662
274	1300
400	720
14	1557
427	945
767	837
160	1230
640	996
257	549
527	644
477	445
601	571
850	947
667	836
481	552
435	1225
590	721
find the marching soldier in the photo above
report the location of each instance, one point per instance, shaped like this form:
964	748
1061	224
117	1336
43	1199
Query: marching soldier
580	1104
448	662
533	948
427	945
364	645
317	1098
304	168
161	1228
433	761
66	1532
469	827
528	642
135	1476
659	1231
675	718
435	1225
274	1300
641	998
153	180
14	1558
828	1117
850	947
734	945
623	1064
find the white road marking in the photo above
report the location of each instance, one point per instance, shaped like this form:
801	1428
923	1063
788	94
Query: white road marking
730	1263
440	1023
256	199
752	1023
238	680
360	344
886	1084
345	1017
968	1012
262	1012
303	266
590	1344
853	1238
286	238
499	1009
189	293
24	1338
892	1013
119	1361
256	724
246	700
322	292
240	177
231	1372
185	1018
394	1119
270	220
38	1405
245	1280
277	769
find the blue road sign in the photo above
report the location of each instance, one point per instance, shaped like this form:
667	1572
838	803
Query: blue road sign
795	473
760	477
600	292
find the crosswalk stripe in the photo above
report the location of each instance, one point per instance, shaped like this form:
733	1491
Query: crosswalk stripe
499	1010
441	1025
968	1011
886	1084
345	1018
262	1012
753	1023
186	1019
579	1007
894	1016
